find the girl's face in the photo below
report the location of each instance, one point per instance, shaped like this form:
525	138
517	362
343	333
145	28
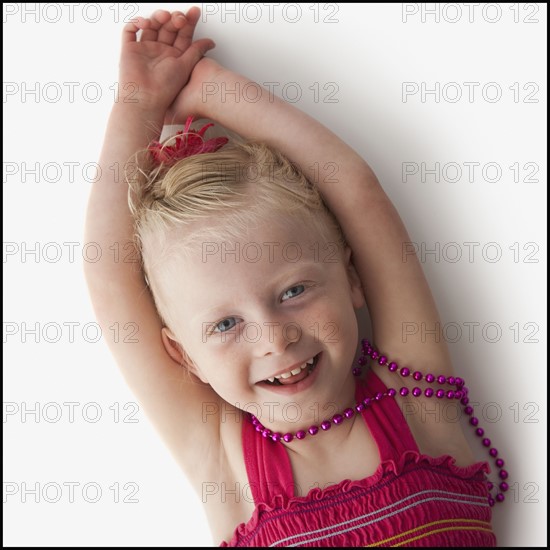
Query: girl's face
255	312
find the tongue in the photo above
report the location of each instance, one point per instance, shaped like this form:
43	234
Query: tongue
294	378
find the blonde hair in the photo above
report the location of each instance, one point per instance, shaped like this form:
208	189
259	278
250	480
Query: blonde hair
179	206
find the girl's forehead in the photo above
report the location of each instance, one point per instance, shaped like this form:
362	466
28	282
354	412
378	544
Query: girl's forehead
285	243
253	265
249	238
216	260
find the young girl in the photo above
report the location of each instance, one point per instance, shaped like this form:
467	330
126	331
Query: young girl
292	427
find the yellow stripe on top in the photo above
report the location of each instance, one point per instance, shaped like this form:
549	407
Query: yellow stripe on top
482	526
458	528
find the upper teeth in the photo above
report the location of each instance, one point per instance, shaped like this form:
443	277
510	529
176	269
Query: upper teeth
292	372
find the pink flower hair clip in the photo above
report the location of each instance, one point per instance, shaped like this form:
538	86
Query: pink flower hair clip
188	142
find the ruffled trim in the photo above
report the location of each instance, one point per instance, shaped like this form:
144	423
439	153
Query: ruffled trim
282	502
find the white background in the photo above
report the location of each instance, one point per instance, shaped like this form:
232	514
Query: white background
365	53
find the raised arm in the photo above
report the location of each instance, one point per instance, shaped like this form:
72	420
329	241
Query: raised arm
153	70
395	287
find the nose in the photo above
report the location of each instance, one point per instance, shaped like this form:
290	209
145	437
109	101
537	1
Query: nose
276	336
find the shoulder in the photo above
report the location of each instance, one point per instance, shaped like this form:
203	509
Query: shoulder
436	423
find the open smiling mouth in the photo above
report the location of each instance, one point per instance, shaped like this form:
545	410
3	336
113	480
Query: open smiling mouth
296	375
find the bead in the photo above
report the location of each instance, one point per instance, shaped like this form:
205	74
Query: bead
266	433
503	474
364	342
480	432
499	462
369	350
451	380
441	379
500	497
440	394
276	437
450	394
313	430
404	371
338	419
359	407
392	367
348	413
486	442
491	502
464	400
489	485
255	421
379	395
493	452
404	392
375	355
430	378
259	427
300	434
392	392
383	360
288	437
417	375
356	371
416	392
459	382
428	392
474	421
458	394
468	410
504	486
325	425
367	401
362	360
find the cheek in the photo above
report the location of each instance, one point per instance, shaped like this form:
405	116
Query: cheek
223	364
331	319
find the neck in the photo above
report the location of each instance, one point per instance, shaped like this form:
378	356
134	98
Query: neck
325	445
313	416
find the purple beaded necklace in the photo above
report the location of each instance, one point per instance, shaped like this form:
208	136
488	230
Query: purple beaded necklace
461	392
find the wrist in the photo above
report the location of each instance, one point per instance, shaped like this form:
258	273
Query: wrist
136	121
210	99
132	95
139	108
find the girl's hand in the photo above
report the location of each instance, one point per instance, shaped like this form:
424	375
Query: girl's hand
156	67
204	85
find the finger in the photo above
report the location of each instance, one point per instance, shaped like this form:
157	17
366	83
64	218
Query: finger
169	31
185	34
156	21
193	15
130	30
148	34
196	51
178	20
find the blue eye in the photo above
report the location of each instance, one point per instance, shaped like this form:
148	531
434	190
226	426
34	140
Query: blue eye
294	291
225	325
